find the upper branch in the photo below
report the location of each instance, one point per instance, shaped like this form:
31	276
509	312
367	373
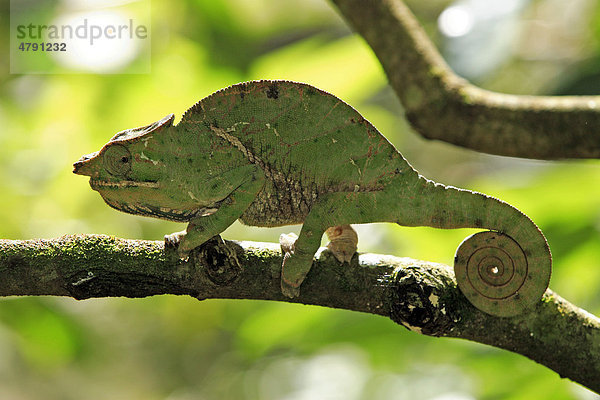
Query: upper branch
419	295
440	105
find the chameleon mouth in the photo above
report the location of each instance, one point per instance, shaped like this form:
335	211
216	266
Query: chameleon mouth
95	183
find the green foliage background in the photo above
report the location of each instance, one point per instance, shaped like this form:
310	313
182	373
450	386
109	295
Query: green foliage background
178	348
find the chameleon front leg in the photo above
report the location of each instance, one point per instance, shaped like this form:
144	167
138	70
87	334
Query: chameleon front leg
201	229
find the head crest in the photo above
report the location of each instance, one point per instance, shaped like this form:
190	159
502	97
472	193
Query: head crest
133	133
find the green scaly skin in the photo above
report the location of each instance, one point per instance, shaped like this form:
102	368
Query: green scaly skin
273	153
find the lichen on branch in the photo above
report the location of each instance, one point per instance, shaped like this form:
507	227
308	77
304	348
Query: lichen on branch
419	295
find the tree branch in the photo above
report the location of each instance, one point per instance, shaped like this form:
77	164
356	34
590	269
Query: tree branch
419	295
442	106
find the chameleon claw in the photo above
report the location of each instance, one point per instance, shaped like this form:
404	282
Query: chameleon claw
289	290
289	287
174	239
292	274
287	243
177	241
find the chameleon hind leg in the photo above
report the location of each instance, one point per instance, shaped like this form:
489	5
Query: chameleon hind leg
343	241
298	255
334	211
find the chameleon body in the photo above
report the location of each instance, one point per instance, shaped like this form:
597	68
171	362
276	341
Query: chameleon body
273	153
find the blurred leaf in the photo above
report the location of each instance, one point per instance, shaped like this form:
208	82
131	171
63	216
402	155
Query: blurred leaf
47	339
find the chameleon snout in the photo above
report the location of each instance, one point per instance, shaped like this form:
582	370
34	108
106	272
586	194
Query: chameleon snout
82	166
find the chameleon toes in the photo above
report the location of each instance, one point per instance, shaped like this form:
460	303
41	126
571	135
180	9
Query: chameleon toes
177	242
287	242
174	240
288	289
294	266
288	286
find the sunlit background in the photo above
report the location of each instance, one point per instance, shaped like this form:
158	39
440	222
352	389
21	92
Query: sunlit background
177	348
88	36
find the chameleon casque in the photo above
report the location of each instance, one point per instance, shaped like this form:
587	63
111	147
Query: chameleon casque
273	153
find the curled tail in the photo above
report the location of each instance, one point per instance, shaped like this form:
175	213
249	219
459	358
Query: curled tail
503	271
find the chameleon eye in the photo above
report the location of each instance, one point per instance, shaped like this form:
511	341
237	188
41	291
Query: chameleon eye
117	160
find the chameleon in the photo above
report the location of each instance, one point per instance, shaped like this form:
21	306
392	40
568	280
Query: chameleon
274	153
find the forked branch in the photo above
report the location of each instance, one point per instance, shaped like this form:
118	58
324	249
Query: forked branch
440	105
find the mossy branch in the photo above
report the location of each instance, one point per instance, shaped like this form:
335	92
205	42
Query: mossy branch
440	105
422	296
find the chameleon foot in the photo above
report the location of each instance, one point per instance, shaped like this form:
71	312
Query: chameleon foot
177	241
494	274
293	267
174	239
288	288
342	242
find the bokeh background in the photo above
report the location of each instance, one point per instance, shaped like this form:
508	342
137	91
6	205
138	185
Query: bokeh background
177	348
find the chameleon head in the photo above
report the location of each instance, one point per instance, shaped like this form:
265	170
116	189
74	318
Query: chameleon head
131	173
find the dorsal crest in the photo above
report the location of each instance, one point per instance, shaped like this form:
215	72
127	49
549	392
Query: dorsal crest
239	92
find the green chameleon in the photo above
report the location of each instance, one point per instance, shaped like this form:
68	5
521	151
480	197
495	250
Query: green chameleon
273	153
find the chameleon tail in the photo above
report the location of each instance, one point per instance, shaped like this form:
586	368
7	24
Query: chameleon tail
503	271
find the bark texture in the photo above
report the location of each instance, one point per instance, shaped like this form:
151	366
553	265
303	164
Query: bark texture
418	295
440	105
